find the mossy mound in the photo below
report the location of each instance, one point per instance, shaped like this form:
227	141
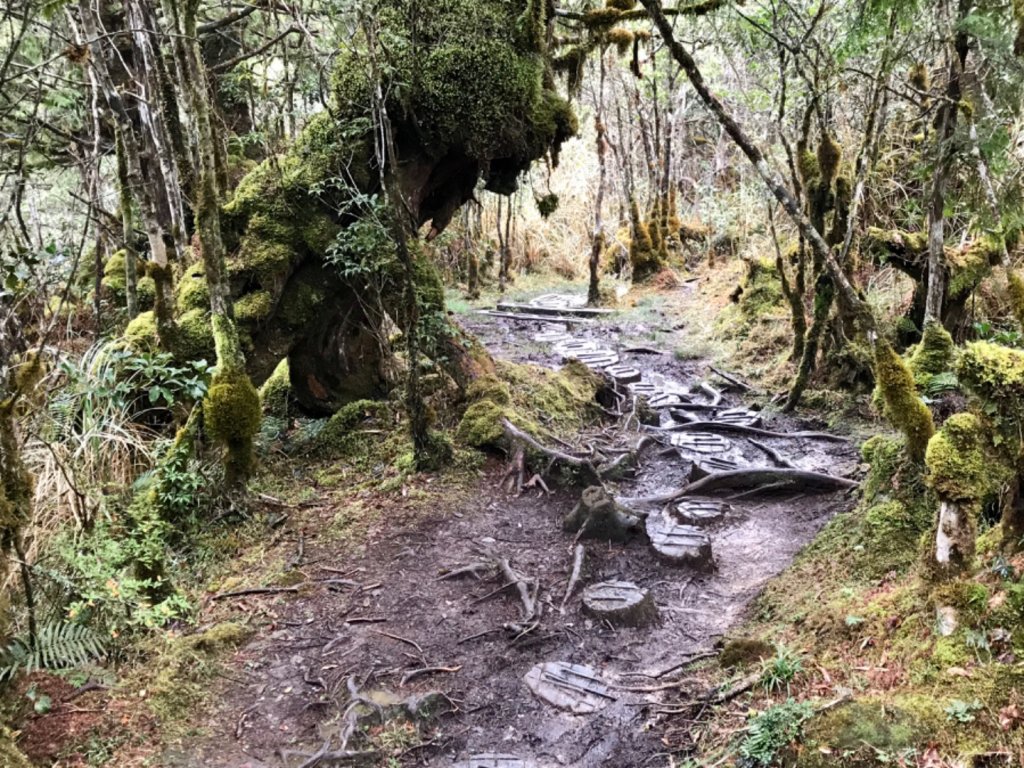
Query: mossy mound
192	292
115	282
745	651
141	334
934	355
958	468
761	291
275	393
535	399
856	732
232	416
339	437
995	375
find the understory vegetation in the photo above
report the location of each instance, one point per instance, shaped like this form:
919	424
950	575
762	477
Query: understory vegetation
242	245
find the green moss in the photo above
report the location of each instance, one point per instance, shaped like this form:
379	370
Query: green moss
481	424
973	264
830	154
491	388
903	407
10	755
193	338
338	437
300	303
145	292
762	288
995	375
276	390
934	355
253	308
232	416
744	651
807	165
192	291
862	729
114	277
141	332
958	469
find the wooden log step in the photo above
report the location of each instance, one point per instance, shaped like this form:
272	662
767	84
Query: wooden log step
698	442
621	603
532	309
679	544
573	687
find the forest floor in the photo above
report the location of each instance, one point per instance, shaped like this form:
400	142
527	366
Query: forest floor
367	617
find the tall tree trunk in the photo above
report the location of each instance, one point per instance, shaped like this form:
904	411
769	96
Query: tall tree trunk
597	236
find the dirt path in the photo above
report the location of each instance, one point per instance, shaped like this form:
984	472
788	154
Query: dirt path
393	614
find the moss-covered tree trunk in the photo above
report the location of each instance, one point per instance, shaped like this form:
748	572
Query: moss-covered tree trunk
232	406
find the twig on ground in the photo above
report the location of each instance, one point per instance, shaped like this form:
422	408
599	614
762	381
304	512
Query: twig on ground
732	379
426	671
253	591
577	565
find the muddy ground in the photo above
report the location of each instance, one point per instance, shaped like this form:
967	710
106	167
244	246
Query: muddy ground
391	613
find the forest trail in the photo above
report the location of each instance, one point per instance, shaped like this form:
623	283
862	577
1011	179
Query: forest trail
385	626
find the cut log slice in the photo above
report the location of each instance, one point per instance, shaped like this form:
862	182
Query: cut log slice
698	512
667	399
620	602
573	687
559	300
599	359
739	416
701	442
710	466
679	544
576	347
644	389
492	760
623	374
552	337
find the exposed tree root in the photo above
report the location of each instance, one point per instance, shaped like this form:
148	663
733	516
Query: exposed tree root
773	454
759	477
721	426
577	566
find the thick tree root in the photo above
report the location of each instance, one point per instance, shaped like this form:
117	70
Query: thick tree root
761	477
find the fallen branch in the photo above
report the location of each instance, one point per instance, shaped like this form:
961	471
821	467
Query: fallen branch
574	576
732	379
527	592
254	591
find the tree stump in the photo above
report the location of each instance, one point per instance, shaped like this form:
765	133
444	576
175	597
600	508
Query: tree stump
679	544
622	603
597	516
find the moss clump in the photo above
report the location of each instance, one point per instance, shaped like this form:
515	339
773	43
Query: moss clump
958	469
807	165
973	264
192	291
643	255
830	154
859	731
141	334
621	5
919	76
114	278
253	308
995	375
193	336
489	387
761	291
934	355
10	755
621	38
276	391
186	666
481	424
337	438
744	651
902	406
232	416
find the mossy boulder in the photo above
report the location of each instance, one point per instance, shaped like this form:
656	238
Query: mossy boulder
761	291
339	436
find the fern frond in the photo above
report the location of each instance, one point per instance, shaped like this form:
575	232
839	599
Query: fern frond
59	645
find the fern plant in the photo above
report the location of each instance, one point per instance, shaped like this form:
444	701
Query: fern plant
59	645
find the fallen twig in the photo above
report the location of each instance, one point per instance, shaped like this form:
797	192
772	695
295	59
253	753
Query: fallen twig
253	591
732	379
399	638
577	566
426	671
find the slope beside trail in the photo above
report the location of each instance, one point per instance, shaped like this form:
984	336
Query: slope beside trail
383	629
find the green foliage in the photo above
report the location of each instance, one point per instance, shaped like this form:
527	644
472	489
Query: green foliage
780	670
958	711
58	645
773	730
